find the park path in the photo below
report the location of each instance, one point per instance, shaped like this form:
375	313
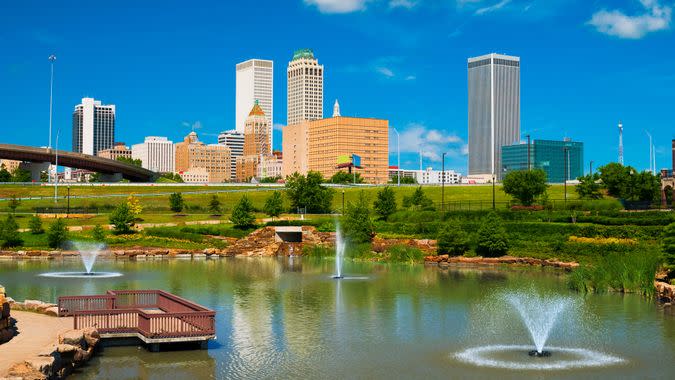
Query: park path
36	331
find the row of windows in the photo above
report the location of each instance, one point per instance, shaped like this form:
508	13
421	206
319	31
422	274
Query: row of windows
497	61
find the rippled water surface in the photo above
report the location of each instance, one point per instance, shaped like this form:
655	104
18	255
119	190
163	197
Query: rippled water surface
278	318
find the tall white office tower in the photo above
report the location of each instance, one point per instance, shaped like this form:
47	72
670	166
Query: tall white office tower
255	82
234	140
494	111
305	88
93	126
156	153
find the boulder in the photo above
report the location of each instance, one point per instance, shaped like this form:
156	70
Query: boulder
52	311
67	349
72	337
91	336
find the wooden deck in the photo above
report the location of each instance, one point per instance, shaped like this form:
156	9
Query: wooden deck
153	316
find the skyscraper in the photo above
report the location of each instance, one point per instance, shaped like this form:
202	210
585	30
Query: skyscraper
494	111
256	144
156	154
305	88
93	126
234	140
255	81
213	160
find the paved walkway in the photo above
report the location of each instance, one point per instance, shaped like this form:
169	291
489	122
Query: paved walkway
36	331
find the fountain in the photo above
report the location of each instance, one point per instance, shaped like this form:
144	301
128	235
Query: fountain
539	314
339	253
88	254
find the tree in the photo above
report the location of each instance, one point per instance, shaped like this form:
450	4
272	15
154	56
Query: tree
5	175
176	203
356	222
122	219
131	161
452	240
492	238
525	185
134	205
274	205
385	203
98	233
668	245
57	233
214	205
418	201
9	233
242	214
13	203
614	177
271	179
307	192
170	177
589	187
644	187
345	178
21	175
404	180
35	225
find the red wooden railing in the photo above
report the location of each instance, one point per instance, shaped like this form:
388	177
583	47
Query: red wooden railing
152	313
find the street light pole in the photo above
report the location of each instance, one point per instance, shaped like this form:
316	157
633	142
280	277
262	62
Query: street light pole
398	157
56	166
343	201
565	153
52	58
494	179
528	153
443	183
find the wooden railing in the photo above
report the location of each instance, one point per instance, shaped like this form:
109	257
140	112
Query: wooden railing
152	313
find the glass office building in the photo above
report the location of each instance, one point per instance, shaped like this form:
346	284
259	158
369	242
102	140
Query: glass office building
548	155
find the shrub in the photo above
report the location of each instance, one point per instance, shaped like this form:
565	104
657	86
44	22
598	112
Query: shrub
385	203
176	202
452	240
307	192
356	223
134	205
274	205
98	233
401	253
9	233
13	203
492	238
242	213
58	233
525	185
35	225
418	201
122	219
668	245
214	205
589	187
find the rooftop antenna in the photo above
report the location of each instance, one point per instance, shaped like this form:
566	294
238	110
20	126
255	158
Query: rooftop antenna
652	156
620	142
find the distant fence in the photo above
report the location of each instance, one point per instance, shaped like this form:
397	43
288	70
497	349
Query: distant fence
66	210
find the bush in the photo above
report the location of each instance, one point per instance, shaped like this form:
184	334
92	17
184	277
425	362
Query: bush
525	185
418	201
452	240
589	187
9	233
385	204
35	225
668	245
122	219
404	254
274	205
176	202
492	238
356	223
13	203
214	205
98	233
58	233
242	213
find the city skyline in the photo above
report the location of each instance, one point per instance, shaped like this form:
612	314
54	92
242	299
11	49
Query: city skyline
418	86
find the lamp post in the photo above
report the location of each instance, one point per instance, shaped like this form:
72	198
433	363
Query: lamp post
443	182
68	209
565	153
528	153
56	167
494	179
343	201
52	58
398	158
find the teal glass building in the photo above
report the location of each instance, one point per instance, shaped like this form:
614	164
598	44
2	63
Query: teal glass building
548	155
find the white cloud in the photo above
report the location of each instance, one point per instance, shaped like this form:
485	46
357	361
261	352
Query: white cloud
278	126
410	77
493	7
408	4
431	143
387	72
616	23
338	6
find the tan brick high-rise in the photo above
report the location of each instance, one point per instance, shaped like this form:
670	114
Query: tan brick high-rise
193	154
256	144
316	145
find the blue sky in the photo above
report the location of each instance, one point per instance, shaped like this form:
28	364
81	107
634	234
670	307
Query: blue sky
168	65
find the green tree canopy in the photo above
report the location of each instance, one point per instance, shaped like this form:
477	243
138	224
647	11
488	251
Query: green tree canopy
122	219
176	203
307	191
525	185
345	178
589	187
668	245
214	205
242	213
385	203
21	175
9	233
492	237
614	177
356	222
57	233
274	204
35	225
452	240
5	175
98	233
418	201
131	161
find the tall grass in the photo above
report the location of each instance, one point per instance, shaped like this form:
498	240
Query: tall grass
631	272
404	254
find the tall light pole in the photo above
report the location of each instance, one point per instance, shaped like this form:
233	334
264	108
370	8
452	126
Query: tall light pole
52	58
56	166
443	182
565	153
528	153
398	157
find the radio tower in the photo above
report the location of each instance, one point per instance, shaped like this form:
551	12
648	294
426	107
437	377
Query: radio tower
620	143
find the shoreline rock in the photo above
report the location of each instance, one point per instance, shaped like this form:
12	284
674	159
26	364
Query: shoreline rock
445	261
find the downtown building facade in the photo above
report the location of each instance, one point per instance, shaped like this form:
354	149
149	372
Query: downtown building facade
305	88
561	160
317	146
256	144
118	150
234	140
93	126
254	82
494	111
199	162
156	153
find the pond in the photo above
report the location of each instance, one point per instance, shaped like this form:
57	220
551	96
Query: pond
287	318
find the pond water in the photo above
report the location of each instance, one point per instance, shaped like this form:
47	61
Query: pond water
286	318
